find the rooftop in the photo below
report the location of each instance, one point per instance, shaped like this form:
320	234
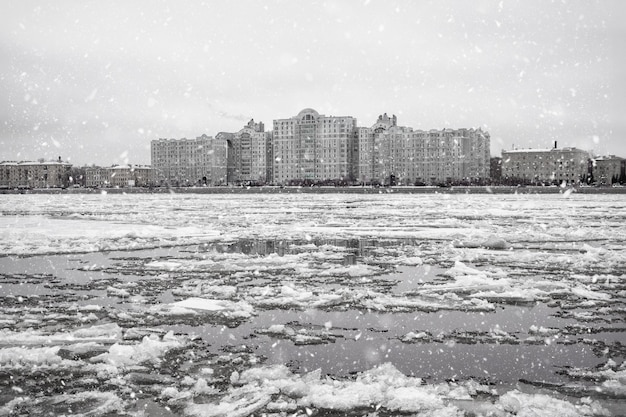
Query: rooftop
12	163
536	150
608	158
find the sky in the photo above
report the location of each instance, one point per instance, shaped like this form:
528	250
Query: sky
95	81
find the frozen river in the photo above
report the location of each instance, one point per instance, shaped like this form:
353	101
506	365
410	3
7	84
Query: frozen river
313	304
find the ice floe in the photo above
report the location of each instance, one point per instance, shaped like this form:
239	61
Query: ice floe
223	306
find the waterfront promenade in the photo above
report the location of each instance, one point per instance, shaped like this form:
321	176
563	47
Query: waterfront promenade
329	190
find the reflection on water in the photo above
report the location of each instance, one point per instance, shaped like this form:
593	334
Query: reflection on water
353	249
369	339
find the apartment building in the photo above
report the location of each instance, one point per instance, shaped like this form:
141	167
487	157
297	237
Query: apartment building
119	176
392	154
314	148
249	154
188	162
374	152
311	147
556	165
29	174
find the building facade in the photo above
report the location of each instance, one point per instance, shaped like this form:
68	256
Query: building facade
313	148
545	166
119	176
189	162
609	170
41	174
390	154
249	155
96	177
374	153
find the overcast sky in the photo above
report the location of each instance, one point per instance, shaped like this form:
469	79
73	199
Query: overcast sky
96	81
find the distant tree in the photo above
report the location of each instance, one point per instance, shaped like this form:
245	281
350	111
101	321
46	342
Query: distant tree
77	176
495	169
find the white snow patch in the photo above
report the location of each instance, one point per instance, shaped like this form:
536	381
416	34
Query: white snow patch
104	333
526	405
228	308
150	349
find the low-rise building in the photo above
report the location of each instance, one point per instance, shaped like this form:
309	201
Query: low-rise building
119	176
545	166
609	170
30	174
96	177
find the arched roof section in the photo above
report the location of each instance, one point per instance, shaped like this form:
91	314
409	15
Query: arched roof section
309	112
381	125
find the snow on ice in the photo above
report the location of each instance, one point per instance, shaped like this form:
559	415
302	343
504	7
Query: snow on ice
282	305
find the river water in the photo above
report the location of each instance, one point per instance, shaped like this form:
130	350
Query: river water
508	291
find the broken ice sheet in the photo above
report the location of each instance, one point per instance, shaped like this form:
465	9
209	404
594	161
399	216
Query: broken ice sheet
153	302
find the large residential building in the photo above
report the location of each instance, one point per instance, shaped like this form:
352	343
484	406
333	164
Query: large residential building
609	169
187	162
249	154
374	152
314	148
41	174
311	147
556	165
390	154
119	176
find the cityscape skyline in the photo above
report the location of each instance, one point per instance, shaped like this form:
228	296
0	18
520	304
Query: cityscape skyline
124	158
95	82
62	155
314	149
